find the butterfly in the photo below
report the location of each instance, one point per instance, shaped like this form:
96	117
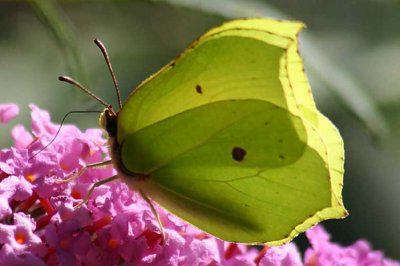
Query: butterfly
227	136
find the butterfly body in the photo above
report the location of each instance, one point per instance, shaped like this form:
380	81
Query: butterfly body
108	121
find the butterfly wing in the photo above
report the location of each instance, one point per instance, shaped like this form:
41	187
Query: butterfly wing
231	138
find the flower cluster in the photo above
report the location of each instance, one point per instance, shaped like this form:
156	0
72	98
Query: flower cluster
39	224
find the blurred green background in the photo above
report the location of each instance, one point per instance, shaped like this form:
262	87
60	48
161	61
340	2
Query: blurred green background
351	50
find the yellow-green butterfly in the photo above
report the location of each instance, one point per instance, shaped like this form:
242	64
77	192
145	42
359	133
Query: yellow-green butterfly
227	136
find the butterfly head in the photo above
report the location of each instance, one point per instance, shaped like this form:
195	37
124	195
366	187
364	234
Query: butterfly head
108	121
108	118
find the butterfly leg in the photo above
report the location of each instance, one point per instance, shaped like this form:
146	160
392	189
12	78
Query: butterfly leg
84	169
95	185
154	211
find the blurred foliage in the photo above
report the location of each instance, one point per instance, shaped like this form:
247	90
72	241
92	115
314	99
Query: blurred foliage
351	51
61	28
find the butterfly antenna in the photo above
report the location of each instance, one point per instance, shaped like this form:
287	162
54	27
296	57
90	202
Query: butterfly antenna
59	129
108	62
78	85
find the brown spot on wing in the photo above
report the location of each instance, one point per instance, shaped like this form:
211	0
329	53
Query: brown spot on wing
238	154
199	90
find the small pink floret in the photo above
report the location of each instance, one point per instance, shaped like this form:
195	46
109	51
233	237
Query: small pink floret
8	111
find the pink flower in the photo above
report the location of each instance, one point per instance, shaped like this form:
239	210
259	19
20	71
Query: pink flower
12	188
9	258
286	255
324	252
8	112
68	240
21	137
39	224
20	236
